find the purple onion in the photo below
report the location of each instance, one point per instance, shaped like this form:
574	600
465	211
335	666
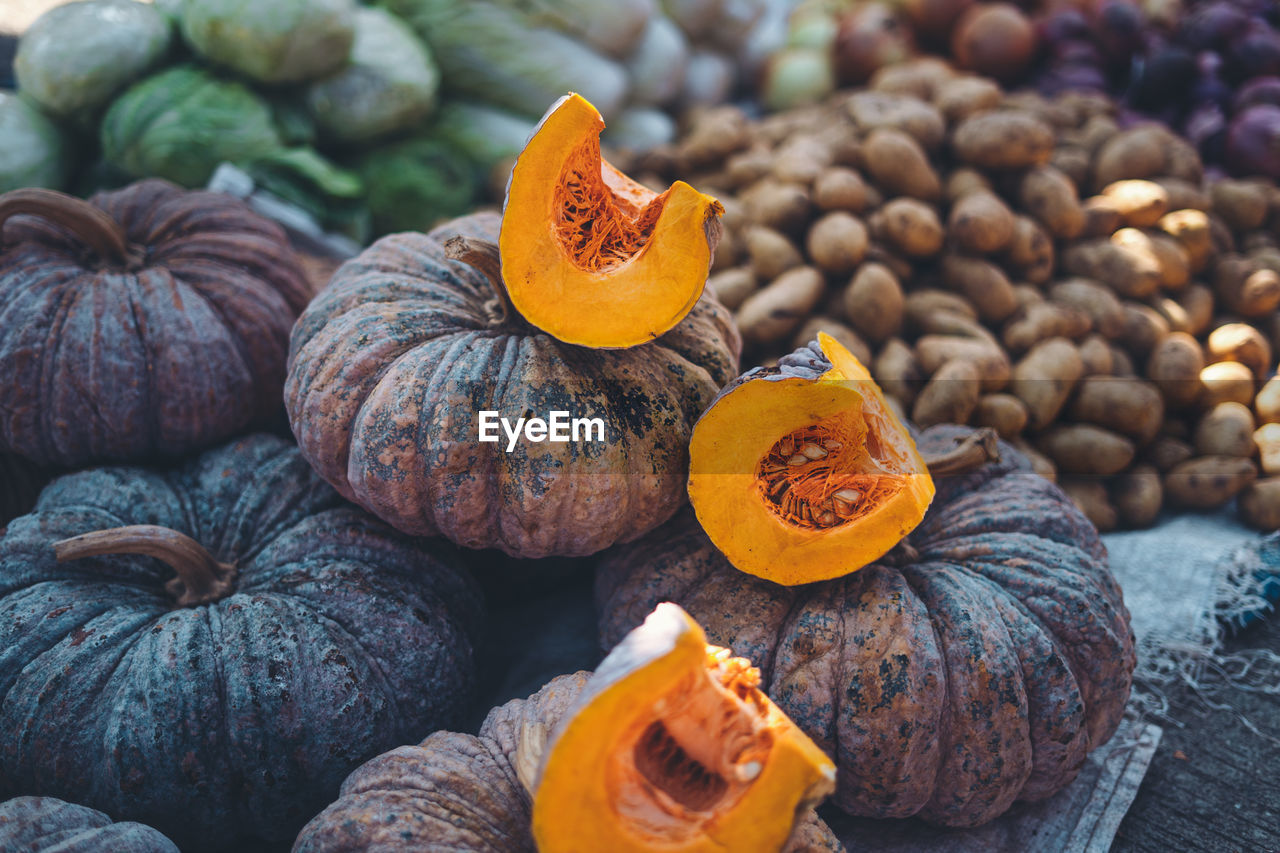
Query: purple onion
1254	55
1260	90
1210	26
1072	78
1253	142
1164	79
1120	29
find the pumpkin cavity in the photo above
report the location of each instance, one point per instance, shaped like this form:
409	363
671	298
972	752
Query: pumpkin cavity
824	475
602	226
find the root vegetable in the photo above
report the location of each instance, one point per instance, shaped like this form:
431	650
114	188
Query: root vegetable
988	360
897	370
980	222
1086	449
1208	481
961	97
873	302
1137	496
899	165
1243	204
770	253
908	114
1092	499
1197	303
1044	379
1267	403
1133	274
1243	343
1166	452
1030	251
1004	413
1144	329
1043	320
1105	311
1225	430
773	313
982	283
1226	380
950	396
733	286
1175	367
1096	356
1260	504
912	226
1003	139
1131	407
1141	203
837	243
1191	229
1050	197
773	204
840	188
1101	217
1267	439
1244	288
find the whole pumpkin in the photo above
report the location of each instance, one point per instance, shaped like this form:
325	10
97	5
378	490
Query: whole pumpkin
148	321
973	666
50	825
391	366
300	638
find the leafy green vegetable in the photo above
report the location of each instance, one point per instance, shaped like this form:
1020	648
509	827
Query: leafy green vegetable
390	84
76	57
181	123
273	41
34	153
486	135
412	184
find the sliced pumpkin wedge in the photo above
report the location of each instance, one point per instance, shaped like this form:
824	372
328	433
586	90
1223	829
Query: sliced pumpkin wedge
802	472
591	257
673	747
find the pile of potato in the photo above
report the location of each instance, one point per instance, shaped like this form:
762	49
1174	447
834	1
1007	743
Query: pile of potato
1011	261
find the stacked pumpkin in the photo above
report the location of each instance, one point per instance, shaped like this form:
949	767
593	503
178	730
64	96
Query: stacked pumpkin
210	646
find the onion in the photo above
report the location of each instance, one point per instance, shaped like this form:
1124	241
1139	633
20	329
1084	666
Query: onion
1253	142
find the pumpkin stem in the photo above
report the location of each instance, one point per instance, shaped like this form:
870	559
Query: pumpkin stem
91	224
201	579
484	256
973	451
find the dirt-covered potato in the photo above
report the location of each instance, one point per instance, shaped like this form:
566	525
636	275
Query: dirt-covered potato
1267	439
965	95
950	396
912	226
1208	481
898	371
873	302
1260	504
1030	253
840	188
1050	196
898	164
980	222
1242	203
837	243
986	357
1226	380
1225	430
1243	343
1090	495
1044	379
1004	413
733	286
776	204
770	253
1191	229
922	121
1267	403
1137	496
1040	320
1175	366
773	313
1003	139
1132	274
1140	203
1086	449
1128	406
983	284
1245	288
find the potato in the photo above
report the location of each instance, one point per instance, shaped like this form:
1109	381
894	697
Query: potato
897	371
1044	378
1101	217
919	76
1175	265
1244	288
729	251
987	359
1130	273
1175	316
1097	131
733	286
1197	302
1050	197
1260	504
840	188
1166	452
1030	252
1071	160
950	396
1144	329
1267	439
1137	495
837	243
980	222
1135	153
1105	311
1028	295
912	226
1003	139
1090	496
770	253
1226	430
747	167
847	337
1130	407
1040	463
873	302
899	165
1004	413
774	204
1096	356
775	312
1038	321
1141	203
801	159
1242	203
963	96
1175	366
1183	194
922	306
1086	449
715	134
1226	380
1208	481
1121	363
1191	229
962	181
920	120
1267	403
983	283
1243	343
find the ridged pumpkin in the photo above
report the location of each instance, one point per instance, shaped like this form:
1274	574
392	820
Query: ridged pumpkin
299	638
591	257
146	322
20	484
392	364
50	825
463	792
975	665
801	472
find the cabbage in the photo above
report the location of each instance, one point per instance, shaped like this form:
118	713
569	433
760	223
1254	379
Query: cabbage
390	84
34	153
610	26
493	54
273	41
181	123
76	57
486	135
411	185
658	65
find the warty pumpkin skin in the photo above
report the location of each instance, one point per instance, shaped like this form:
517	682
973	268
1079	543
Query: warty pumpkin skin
801	472
333	638
471	792
976	665
146	322
590	256
391	365
50	825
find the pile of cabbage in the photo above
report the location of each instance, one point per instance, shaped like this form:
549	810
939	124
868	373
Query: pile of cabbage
373	118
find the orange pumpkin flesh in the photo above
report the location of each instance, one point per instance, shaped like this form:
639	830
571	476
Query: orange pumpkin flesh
590	256
673	747
802	473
